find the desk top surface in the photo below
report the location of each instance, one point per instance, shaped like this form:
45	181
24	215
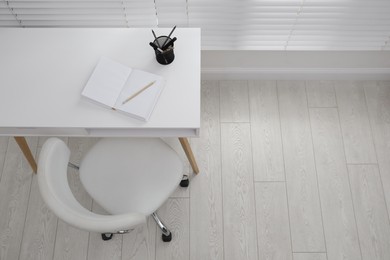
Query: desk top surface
44	70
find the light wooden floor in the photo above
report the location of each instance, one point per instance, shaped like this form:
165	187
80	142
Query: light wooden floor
289	170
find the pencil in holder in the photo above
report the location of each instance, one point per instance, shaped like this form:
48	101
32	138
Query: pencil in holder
163	48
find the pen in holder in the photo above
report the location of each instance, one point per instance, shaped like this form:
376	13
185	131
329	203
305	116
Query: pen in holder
163	48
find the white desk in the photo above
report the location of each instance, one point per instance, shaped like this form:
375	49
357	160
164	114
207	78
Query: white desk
43	71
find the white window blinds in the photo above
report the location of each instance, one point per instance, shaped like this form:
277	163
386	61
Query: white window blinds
89	13
7	17
172	12
226	24
292	24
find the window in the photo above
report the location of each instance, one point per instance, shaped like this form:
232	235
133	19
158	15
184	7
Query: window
226	24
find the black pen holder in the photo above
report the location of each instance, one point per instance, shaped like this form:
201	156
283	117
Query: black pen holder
165	55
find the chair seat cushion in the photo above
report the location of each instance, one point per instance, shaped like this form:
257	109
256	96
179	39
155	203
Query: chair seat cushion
131	174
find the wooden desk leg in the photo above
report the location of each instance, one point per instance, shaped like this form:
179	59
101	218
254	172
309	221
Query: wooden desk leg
21	141
190	156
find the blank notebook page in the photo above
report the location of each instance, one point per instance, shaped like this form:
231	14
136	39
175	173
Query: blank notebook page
143	104
106	81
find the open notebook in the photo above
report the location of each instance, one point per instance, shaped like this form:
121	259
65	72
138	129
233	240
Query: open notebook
112	83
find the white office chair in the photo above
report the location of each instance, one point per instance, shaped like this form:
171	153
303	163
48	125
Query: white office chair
129	177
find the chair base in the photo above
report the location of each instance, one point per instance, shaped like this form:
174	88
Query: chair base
166	234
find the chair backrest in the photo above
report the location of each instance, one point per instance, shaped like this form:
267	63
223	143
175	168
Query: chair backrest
54	187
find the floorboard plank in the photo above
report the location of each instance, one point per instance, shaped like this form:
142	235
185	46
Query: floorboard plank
355	126
340	229
206	221
371	214
14	195
40	229
273	228
267	149
240	239
234	101
175	215
320	93
3	152
378	103
302	189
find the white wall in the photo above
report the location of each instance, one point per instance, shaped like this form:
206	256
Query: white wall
296	65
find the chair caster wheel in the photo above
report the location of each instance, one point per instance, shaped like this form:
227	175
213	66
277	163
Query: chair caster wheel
107	236
185	181
167	238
